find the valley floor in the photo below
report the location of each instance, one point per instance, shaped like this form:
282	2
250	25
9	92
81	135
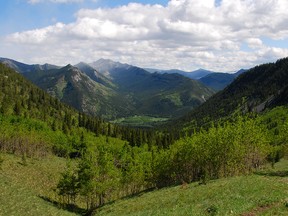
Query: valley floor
25	185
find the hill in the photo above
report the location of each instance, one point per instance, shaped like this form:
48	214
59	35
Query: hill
211	79
243	195
24	68
257	89
25	189
262	193
197	74
217	81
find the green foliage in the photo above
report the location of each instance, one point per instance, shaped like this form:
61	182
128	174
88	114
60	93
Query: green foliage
67	186
241	195
104	172
233	149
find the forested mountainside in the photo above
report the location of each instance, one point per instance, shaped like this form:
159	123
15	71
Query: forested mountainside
21	98
196	74
259	88
120	90
218	81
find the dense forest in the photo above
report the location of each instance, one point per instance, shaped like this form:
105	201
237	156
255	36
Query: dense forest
106	161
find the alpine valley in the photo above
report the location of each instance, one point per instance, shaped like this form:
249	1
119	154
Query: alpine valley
116	91
226	154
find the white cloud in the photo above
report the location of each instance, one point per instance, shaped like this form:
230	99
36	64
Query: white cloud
185	34
254	43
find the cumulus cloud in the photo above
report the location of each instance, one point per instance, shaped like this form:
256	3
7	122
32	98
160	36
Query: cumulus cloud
185	34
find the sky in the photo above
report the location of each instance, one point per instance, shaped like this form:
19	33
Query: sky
218	35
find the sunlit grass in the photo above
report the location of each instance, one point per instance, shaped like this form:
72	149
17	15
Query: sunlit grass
263	193
258	193
23	186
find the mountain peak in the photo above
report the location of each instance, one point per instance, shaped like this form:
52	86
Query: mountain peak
105	65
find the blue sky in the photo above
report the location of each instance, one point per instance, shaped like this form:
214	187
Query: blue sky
20	15
219	35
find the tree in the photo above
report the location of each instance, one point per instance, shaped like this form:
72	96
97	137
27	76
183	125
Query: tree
68	186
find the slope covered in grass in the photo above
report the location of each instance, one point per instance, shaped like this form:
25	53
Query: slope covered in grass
263	193
25	185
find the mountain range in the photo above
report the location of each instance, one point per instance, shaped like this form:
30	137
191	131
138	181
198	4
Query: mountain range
215	80
113	90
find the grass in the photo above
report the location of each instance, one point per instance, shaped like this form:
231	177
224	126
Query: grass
263	193
25	187
140	121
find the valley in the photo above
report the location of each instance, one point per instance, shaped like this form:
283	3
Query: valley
98	162
112	90
144	107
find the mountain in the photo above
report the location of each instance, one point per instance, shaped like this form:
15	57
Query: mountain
25	68
257	89
94	74
113	90
217	81
162	95
108	67
77	89
197	74
240	72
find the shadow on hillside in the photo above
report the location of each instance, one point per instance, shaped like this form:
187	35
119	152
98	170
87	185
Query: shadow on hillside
134	195
273	173
71	208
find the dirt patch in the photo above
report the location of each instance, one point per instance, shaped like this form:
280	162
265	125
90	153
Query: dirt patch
260	209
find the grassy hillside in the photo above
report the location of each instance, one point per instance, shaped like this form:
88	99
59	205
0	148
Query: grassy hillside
23	189
140	121
25	185
263	193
